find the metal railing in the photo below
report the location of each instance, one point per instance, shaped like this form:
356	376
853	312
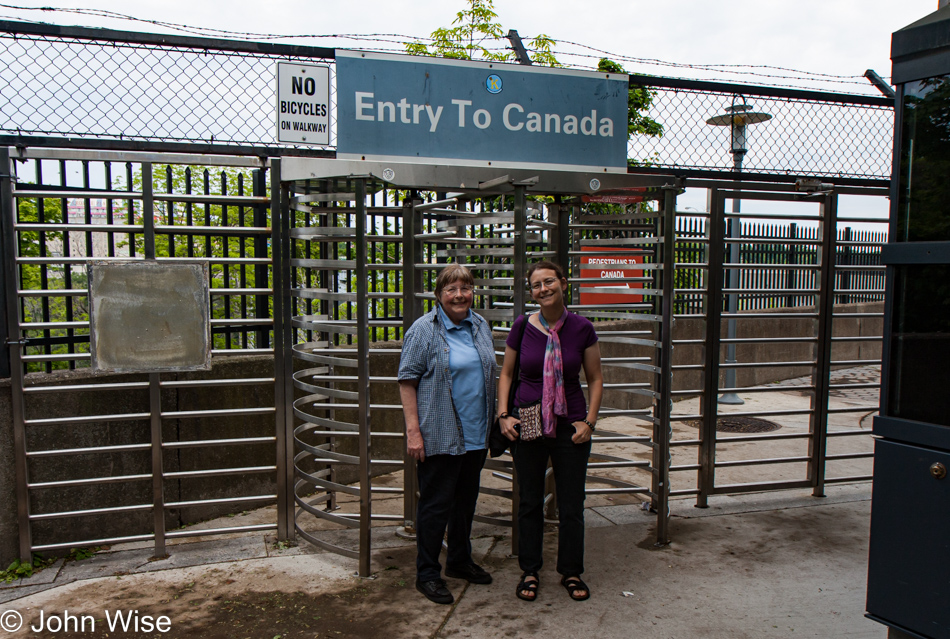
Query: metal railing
812	341
65	208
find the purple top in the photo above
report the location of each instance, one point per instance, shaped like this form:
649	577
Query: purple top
577	335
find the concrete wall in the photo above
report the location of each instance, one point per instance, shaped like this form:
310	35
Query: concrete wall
58	468
69	404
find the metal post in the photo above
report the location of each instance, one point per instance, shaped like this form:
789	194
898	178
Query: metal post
663	429
154	379
714	298
846	260
735	232
411	311
283	348
519	260
562	238
818	435
14	341
261	311
362	374
575	265
791	281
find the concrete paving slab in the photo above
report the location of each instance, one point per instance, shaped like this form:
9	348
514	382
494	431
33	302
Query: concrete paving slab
797	573
45	576
13	594
758	502
208	552
105	564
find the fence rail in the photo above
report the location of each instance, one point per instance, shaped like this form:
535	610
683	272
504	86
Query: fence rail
783	258
146	91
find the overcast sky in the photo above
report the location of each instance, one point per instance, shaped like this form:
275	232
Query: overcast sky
836	37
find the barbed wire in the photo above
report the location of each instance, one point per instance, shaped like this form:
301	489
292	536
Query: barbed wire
749	71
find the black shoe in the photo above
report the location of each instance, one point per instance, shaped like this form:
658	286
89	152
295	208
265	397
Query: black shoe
473	573
435	591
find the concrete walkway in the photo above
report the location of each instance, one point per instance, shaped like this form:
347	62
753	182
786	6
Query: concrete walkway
768	565
781	564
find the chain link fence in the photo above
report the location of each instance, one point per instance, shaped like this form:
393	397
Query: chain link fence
806	133
150	90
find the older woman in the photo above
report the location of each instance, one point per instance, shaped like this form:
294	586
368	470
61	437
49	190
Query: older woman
554	347
446	383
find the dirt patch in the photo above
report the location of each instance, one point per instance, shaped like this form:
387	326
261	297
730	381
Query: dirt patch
247	604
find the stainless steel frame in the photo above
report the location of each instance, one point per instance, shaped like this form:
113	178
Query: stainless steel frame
144	230
324	240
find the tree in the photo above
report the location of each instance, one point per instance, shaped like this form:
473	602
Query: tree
639	101
475	30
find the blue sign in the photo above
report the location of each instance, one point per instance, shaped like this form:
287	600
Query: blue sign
407	108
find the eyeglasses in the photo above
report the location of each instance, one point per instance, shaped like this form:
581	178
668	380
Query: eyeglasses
551	282
455	290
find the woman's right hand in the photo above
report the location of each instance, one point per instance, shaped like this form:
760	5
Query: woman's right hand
508	427
415	445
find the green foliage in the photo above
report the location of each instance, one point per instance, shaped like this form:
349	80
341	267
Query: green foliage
207	180
24	570
477	35
639	101
79	554
474	28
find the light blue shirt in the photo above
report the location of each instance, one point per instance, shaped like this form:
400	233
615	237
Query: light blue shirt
468	383
425	360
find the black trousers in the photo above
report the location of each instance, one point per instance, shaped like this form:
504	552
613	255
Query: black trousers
448	491
569	461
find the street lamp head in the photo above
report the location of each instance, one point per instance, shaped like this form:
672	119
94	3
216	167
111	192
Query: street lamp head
737	117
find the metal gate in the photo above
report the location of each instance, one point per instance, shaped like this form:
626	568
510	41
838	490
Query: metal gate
340	231
351	250
127	457
806	340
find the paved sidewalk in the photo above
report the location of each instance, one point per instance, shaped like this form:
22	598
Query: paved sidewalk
781	564
766	565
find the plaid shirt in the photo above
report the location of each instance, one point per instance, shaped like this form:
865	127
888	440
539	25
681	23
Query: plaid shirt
425	358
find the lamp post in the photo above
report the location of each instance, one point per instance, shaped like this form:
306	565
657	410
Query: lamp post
737	117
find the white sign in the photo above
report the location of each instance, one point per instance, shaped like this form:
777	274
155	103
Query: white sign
303	104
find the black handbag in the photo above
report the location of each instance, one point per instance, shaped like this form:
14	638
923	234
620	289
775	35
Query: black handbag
497	442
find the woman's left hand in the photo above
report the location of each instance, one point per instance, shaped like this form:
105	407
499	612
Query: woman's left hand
582	433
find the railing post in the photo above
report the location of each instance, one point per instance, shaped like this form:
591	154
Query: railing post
261	311
519	262
713	312
663	428
283	359
8	210
411	311
818	435
791	258
362	375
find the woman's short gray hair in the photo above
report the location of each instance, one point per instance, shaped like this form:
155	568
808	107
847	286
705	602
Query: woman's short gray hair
451	274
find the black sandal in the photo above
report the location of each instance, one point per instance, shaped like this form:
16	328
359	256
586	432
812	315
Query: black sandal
574	585
530	586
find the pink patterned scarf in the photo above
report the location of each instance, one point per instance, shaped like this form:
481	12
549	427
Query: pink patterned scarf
553	400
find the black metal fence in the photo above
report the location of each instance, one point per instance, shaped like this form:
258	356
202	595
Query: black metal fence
146	91
69	212
796	246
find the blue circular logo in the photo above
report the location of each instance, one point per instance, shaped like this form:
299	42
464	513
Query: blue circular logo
493	84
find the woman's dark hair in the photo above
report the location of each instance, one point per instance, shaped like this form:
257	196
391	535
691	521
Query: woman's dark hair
451	274
545	264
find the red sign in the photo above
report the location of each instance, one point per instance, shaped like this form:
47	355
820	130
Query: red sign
610	264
